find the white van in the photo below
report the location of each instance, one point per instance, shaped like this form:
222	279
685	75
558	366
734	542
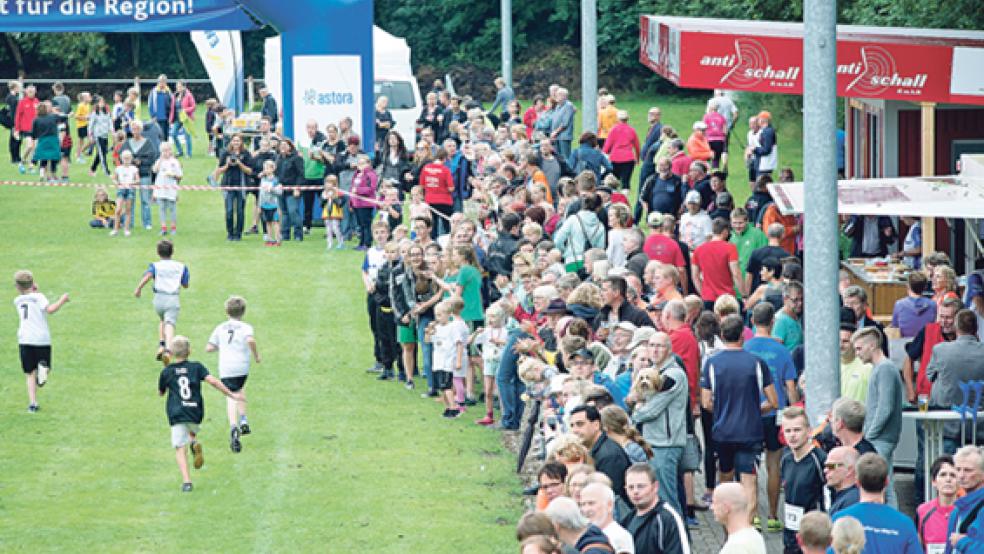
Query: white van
404	104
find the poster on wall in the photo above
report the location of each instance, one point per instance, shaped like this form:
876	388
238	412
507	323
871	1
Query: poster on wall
326	89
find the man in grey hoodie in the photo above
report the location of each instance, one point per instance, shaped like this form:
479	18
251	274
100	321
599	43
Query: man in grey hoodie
662	416
883	424
953	363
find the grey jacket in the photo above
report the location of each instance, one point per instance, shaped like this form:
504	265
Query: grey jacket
885	398
663	415
563	118
952	363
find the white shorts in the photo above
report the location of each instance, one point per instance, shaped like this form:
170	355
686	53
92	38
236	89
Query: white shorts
490	367
181	434
167	307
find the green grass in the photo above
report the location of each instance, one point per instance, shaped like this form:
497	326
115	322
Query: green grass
337	462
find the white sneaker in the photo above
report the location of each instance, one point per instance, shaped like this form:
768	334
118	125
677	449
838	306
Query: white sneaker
266	237
148	227
126	233
113	233
42	374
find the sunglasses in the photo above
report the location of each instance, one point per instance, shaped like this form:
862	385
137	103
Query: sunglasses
833	465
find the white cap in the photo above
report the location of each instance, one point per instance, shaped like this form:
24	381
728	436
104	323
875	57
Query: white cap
693	197
700	125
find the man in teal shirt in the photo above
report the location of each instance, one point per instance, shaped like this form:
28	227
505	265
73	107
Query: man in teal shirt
788	328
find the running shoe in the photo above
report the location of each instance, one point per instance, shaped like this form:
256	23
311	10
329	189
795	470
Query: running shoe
244	428
234	443
196	449
186	487
409	384
773	526
486	421
33	408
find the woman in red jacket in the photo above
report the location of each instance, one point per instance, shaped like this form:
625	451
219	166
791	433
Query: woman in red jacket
531	115
622	147
27	110
435	179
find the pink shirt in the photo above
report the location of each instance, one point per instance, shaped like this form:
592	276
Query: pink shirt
932	521
622	144
716	126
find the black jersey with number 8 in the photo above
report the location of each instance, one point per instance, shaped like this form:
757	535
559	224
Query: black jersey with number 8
183	383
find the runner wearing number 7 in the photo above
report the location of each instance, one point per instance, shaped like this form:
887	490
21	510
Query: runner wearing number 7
33	334
182	381
234	341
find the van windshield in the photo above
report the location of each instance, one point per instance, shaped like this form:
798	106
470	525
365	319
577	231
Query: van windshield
400	94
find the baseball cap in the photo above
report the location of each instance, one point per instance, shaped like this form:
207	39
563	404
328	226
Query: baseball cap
693	197
583	353
700	125
654	219
626	326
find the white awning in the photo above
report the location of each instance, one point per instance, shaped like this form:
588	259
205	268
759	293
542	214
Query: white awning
955	196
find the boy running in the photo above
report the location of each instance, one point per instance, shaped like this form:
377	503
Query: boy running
33	334
234	341
168	276
182	381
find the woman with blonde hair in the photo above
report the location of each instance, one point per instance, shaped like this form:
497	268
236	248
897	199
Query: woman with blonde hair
578	477
847	536
615	422
944	284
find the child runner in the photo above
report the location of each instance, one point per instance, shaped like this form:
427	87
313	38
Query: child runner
269	200
491	339
802	474
375	259
333	212
168	171
33	334
126	177
933	517
182	381
234	341
168	276
449	336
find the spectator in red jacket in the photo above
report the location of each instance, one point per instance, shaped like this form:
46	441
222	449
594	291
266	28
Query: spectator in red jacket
27	110
435	179
622	147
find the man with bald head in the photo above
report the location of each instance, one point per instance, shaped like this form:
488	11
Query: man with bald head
730	506
838	470
597	504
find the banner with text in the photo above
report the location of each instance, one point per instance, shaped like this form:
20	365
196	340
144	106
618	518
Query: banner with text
326	89
222	56
116	16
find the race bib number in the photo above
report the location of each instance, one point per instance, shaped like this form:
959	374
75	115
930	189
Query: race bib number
793	515
935	548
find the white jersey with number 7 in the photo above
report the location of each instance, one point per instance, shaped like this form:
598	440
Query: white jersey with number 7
230	338
32	310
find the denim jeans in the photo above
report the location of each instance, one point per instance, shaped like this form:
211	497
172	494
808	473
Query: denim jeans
364	217
284	217
511	388
178	131
292	219
167	210
146	197
887	450
564	149
666	463
235	202
426	349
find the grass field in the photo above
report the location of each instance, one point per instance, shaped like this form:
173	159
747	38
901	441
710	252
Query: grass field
337	462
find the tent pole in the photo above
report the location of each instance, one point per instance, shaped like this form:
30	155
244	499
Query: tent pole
822	314
589	67
928	167
507	40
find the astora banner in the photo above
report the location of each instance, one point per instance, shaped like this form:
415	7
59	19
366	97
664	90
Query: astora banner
326	88
768	62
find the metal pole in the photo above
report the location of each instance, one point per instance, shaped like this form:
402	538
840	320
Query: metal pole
506	8
822	315
589	65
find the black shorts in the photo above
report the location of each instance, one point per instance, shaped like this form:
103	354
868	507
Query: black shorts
738	456
443	380
32	355
269	215
66	153
83	132
771	430
718	147
235	384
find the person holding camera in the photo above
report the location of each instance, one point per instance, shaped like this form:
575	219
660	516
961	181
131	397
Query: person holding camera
234	169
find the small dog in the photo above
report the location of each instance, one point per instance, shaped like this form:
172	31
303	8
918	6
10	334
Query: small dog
647	383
